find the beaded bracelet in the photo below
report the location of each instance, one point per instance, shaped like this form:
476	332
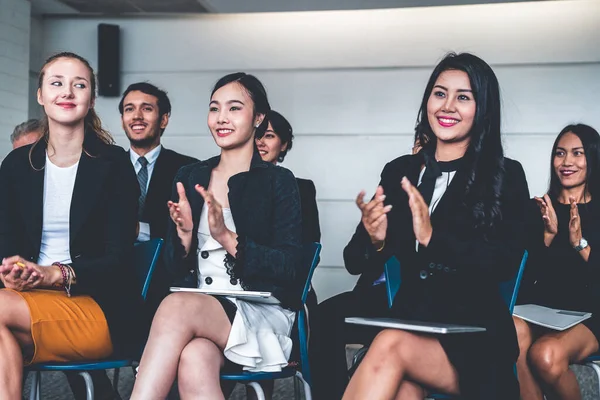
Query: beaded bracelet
66	275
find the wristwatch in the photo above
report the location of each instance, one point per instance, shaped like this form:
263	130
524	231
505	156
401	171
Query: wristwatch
582	245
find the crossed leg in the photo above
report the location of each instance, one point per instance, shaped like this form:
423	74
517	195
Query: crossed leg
187	338
550	355
398	365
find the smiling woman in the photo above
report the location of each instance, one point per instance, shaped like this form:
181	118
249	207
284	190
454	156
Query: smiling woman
67	238
455	223
563	268
236	225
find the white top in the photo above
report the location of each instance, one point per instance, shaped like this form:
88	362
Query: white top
58	192
259	339
151	156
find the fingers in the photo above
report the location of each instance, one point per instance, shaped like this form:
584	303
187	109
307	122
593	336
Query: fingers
181	192
360	199
413	192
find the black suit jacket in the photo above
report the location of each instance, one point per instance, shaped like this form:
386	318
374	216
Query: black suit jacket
156	211
311	230
102	228
455	278
265	206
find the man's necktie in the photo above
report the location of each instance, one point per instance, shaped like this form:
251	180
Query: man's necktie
142	177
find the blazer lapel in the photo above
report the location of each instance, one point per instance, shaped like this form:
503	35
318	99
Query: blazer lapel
91	173
33	198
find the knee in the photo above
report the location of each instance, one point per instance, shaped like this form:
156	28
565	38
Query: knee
11	304
524	336
390	347
548	359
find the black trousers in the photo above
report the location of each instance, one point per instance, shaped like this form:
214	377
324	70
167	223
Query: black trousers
330	334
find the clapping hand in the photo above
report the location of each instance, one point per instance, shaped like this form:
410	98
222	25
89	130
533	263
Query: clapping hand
420	213
374	216
575	234
181	212
216	223
549	217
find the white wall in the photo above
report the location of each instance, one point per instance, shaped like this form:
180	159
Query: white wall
14	67
350	82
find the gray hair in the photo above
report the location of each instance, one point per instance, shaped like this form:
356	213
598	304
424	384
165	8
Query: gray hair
32	125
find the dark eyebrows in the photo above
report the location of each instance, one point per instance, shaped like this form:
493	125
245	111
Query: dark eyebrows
143	105
228	102
459	90
574	148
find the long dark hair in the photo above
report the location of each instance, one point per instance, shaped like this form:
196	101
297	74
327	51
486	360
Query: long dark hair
591	148
484	158
92	123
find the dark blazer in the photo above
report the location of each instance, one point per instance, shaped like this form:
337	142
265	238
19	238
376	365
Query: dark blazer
311	231
156	211
102	228
455	278
265	206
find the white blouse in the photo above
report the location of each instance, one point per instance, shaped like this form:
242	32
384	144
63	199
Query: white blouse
58	192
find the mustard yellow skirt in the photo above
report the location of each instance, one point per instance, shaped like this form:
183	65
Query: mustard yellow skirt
66	328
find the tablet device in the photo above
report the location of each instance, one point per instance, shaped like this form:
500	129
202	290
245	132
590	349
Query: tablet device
416	326
246	295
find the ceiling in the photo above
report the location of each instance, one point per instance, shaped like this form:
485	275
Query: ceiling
145	7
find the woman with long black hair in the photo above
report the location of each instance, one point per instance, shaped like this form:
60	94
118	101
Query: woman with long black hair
236	225
452	214
563	268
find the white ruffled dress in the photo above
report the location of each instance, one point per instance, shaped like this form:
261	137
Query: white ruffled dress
260	333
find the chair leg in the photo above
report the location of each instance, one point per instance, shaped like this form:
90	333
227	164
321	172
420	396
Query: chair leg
260	395
34	387
596	368
307	392
89	385
115	382
296	388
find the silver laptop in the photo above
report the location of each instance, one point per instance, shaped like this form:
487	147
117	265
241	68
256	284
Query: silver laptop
416	326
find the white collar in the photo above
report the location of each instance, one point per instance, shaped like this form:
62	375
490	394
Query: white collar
151	156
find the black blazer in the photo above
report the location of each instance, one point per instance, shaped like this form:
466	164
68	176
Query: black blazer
311	230
156	211
265	206
455	279
102	228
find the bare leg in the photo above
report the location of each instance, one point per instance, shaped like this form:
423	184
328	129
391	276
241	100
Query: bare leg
530	389
180	318
199	367
15	340
397	356
551	355
410	391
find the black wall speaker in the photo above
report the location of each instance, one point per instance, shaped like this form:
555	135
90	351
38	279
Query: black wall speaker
109	60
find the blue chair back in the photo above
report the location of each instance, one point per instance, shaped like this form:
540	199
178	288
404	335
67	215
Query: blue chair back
508	289
392	278
310	256
145	256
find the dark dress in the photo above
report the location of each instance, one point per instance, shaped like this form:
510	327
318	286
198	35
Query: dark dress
455	278
557	276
